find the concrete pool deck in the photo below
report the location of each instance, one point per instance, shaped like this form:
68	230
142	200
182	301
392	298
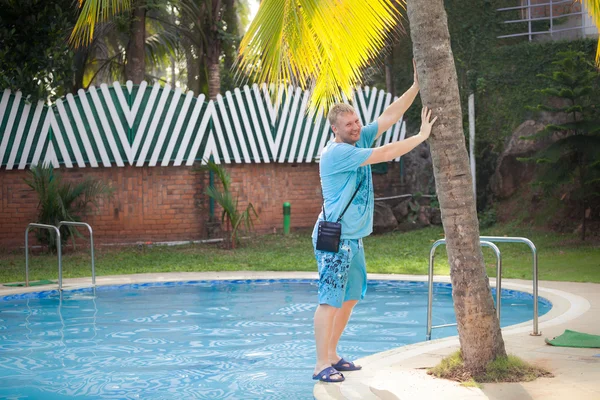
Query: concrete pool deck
399	373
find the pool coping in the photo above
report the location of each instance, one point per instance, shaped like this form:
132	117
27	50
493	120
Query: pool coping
373	381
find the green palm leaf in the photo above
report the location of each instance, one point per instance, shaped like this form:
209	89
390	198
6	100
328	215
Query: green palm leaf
231	216
317	44
92	13
593	8
62	201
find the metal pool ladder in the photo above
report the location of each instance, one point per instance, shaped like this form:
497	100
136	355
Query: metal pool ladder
58	248
488	242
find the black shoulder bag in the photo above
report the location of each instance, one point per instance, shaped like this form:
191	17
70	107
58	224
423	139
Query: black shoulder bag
329	233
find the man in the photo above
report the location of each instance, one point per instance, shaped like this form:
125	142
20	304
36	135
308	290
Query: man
345	166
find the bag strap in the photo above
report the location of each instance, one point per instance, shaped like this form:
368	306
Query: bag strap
347	205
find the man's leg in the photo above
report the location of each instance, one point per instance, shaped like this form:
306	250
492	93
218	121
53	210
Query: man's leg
356	288
339	324
333	278
324	322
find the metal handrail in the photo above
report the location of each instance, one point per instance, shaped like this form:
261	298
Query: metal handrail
73	223
513	21
58	249
550	5
540	32
535	5
430	283
502	239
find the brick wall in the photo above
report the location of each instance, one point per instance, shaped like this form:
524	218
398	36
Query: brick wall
168	203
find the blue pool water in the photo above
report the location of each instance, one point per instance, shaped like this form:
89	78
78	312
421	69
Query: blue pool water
206	340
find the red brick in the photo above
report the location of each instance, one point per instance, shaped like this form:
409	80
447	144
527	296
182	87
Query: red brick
160	203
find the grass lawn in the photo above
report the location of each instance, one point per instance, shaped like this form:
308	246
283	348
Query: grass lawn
561	257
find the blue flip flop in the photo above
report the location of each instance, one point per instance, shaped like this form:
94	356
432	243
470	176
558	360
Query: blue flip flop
325	375
344	365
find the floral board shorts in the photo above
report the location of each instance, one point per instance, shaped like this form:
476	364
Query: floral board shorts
342	275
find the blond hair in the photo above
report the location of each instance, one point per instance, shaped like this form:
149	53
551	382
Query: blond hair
336	110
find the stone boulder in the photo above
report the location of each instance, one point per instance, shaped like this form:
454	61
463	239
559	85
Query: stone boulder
511	173
413	175
418	169
423	217
435	216
383	218
401	211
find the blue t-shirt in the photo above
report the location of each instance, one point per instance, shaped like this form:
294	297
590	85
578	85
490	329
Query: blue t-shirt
341	172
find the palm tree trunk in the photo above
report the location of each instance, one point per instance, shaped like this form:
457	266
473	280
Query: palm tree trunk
213	51
135	66
192	56
478	327
232	21
79	65
214	70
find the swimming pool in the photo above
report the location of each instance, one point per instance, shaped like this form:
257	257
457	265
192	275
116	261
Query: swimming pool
202	339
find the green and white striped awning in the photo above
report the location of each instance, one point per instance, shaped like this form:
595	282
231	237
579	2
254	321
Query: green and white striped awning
155	125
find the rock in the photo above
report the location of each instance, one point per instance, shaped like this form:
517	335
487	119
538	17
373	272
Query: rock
435	216
423	217
418	170
511	173
414	174
401	211
213	228
383	218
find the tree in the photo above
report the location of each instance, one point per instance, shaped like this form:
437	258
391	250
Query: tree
288	58
62	201
478	327
164	31
135	66
574	158
34	56
213	47
231	217
94	12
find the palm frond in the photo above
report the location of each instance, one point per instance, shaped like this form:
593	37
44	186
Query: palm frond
321	44
61	201
219	171
160	47
231	215
593	8
92	13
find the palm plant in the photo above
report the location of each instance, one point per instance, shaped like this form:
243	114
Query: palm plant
165	30
323	44
62	201
108	56
232	218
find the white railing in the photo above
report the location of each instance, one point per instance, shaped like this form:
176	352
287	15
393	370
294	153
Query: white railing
578	17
